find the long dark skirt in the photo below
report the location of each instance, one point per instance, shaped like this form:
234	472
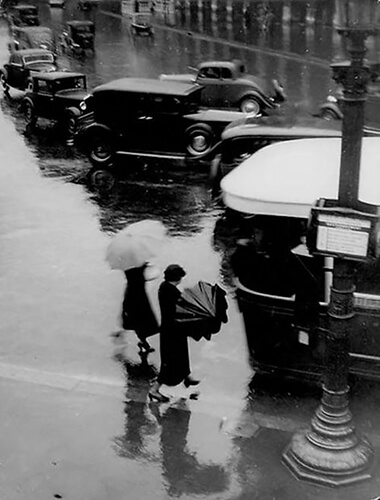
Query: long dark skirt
175	362
137	313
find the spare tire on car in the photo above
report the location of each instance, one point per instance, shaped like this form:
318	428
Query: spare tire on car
199	139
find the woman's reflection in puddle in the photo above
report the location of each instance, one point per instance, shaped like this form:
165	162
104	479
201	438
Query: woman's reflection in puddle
182	471
169	422
138	422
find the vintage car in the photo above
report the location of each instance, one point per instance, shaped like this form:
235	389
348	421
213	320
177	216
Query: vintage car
77	37
24	15
242	138
227	85
332	109
141	24
61	97
32	37
283	285
143	117
23	64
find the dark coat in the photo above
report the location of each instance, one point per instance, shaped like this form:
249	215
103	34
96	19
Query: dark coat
137	313
175	363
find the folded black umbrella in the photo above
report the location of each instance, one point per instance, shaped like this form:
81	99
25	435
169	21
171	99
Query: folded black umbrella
201	310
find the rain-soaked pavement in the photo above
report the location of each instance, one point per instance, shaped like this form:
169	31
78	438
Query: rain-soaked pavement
76	422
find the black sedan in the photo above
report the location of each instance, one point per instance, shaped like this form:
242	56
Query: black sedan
23	64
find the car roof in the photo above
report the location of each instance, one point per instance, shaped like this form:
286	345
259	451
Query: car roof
79	23
24	6
30	52
149	86
33	29
285	178
58	75
218	64
272	131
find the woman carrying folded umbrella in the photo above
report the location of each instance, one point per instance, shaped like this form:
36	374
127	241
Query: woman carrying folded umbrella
174	352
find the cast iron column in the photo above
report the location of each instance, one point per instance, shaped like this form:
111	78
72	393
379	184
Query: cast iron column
330	452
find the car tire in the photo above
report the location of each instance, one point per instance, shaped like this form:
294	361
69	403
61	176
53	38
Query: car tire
199	139
101	180
70	124
4	82
29	114
329	115
101	149
250	106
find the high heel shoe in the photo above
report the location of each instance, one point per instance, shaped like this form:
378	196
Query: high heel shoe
190	381
158	397
145	347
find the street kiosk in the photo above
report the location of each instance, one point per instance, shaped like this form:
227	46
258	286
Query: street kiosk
283	277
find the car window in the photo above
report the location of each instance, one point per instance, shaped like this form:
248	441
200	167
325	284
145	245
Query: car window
15	59
43	86
209	73
38	58
226	73
70	83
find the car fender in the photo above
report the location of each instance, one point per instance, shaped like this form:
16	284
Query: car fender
4	72
333	107
72	110
92	129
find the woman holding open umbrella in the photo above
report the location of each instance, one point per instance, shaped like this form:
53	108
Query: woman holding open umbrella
137	313
130	251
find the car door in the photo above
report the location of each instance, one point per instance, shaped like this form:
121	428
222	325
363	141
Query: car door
212	94
16	70
44	98
159	124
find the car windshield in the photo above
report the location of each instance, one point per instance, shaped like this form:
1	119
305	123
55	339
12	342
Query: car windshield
84	29
28	12
70	83
44	36
39	58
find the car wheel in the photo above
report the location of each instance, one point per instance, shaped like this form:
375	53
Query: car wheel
101	180
199	139
29	114
329	115
4	82
101	149
70	124
250	106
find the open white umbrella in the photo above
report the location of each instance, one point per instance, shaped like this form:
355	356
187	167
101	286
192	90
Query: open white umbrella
136	244
286	178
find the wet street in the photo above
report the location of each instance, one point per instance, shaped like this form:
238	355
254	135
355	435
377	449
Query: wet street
76	420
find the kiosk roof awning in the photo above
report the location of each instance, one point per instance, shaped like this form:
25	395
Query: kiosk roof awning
286	178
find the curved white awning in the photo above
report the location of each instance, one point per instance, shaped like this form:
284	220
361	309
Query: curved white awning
286	178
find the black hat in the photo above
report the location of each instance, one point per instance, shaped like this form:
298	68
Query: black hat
174	272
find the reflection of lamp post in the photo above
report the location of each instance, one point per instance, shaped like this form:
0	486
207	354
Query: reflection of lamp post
330	453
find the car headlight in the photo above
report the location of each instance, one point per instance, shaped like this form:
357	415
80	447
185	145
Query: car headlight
83	105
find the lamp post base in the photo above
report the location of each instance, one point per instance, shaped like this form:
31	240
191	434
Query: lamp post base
330	453
328	467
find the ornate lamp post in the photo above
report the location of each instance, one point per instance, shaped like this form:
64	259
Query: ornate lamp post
330	452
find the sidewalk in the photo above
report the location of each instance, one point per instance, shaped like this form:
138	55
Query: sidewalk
75	420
